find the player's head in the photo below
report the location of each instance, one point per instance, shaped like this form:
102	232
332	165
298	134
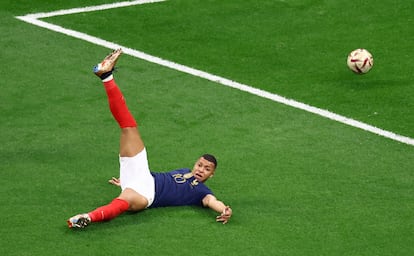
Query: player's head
211	159
204	167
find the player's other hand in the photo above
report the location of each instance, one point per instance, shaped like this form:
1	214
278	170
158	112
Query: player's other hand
115	181
225	215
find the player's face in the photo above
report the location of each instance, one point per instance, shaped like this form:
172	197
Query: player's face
203	169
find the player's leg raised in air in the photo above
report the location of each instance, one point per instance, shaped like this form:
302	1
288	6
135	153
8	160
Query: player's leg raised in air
135	180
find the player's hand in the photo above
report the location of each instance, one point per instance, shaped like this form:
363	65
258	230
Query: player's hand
225	215
115	181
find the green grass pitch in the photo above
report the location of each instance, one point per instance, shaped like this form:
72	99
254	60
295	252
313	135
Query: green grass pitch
298	183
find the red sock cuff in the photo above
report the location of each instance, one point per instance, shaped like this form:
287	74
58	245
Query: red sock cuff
110	84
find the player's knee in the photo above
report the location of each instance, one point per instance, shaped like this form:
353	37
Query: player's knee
136	201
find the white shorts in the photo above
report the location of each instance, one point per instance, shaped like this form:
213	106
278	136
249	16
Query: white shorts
135	174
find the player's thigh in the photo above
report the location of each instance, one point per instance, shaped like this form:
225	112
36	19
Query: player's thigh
135	175
130	143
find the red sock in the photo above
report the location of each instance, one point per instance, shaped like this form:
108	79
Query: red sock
109	211
118	105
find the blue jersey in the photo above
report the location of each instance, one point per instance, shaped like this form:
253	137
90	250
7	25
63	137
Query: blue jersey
178	188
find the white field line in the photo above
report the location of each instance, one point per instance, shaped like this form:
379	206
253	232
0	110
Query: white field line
41	15
34	19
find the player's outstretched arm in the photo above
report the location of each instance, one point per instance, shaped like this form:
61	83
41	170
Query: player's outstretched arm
225	211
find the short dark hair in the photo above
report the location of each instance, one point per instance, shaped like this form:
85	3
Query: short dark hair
210	158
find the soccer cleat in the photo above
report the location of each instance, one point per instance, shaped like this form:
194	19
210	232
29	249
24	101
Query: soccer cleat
79	221
105	68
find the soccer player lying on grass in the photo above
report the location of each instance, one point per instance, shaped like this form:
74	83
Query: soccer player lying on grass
140	187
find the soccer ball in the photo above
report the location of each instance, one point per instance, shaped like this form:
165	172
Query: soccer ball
360	61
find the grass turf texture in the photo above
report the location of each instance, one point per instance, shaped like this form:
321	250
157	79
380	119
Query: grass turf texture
294	48
299	184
